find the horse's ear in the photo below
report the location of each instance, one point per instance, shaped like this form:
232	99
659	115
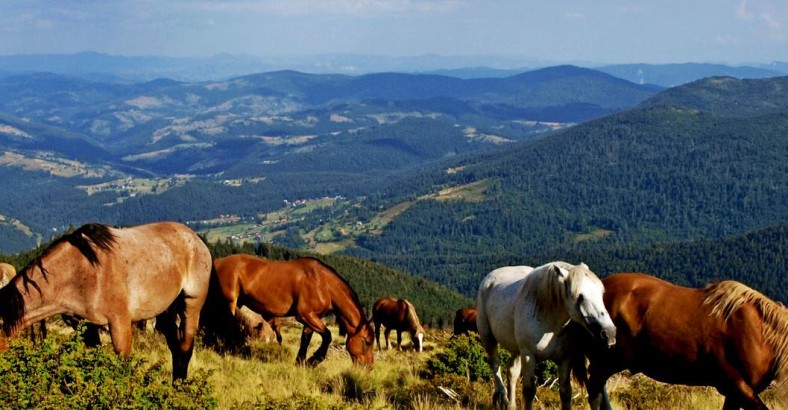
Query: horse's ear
558	271
584	266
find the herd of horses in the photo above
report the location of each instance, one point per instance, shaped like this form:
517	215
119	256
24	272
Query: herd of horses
725	335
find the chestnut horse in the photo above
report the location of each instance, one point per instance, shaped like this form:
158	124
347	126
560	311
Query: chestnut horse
726	335
304	288
114	277
465	321
399	315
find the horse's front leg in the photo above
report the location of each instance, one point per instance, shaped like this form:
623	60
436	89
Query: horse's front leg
120	333
597	378
386	335
313	321
564	384
399	340
529	379
306	337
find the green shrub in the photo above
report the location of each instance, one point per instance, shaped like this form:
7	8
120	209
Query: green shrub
464	355
64	374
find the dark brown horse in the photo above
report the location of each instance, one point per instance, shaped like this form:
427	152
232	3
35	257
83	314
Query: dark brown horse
399	315
114	277
304	288
465	321
726	335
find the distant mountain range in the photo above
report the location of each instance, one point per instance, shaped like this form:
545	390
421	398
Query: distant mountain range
135	69
164	127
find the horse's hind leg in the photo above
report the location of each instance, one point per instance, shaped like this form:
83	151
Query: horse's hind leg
377	334
514	374
179	325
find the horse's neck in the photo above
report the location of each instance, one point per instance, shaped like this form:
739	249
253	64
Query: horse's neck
346	309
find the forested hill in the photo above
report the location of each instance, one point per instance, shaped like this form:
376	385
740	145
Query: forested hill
686	165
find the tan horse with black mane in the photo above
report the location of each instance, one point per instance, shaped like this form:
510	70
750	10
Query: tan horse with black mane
399	315
304	288
726	335
114	277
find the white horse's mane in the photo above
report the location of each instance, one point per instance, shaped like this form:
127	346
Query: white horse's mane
543	286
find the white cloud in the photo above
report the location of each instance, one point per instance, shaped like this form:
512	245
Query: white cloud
575	16
743	13
774	26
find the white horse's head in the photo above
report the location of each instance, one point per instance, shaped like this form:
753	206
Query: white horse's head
584	301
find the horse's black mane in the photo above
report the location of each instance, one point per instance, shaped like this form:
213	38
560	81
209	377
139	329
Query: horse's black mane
12	307
85	238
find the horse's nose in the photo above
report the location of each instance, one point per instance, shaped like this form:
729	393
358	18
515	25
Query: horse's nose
609	335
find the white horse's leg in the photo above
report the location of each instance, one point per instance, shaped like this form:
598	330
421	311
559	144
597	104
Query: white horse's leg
565	384
499	399
529	379
514	374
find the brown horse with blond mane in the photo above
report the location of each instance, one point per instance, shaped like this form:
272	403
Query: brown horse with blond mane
465	321
114	277
726	335
399	315
305	288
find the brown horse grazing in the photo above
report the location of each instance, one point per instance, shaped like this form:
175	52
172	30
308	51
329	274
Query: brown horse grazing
399	315
726	335
256	327
465	321
304	288
115	277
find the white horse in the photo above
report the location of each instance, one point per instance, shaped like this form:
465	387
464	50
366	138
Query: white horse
527	311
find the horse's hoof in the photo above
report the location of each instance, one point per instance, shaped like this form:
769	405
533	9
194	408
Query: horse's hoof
314	361
500	401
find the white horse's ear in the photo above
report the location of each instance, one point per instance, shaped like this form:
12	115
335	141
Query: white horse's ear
583	265
560	272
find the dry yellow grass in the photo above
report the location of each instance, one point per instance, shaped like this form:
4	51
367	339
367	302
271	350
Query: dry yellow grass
268	377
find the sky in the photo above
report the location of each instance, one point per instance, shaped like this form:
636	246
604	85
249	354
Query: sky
602	31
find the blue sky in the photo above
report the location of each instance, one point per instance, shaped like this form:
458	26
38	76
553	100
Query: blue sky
601	31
